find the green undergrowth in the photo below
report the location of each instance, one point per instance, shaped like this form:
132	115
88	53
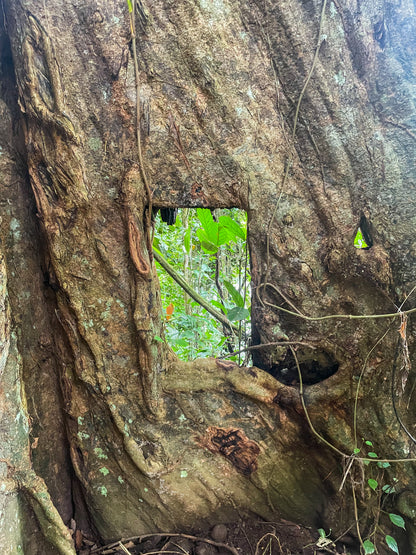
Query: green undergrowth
208	249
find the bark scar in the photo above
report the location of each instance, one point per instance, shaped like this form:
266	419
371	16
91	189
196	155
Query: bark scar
234	445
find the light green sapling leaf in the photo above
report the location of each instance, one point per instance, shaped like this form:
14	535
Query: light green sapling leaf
368	547
397	520
372	483
322	533
392	544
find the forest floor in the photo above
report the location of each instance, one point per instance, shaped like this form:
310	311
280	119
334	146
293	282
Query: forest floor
245	537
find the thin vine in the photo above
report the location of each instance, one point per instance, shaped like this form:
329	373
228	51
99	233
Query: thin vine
294	127
132	17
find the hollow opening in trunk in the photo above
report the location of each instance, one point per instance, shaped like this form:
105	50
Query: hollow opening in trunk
203	268
315	366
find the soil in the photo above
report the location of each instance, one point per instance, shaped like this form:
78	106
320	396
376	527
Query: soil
245	537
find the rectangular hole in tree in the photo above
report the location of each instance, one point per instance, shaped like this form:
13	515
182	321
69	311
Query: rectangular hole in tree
208	250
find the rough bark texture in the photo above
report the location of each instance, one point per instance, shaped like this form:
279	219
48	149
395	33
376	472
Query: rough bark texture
125	438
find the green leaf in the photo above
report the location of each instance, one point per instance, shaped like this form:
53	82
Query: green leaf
224	235
383	464
219	305
372	483
130	5
233	226
369	443
391	542
397	520
209	248
237	313
372	455
187	240
235	295
209	225
387	488
206	244
368	547
321	533
157	338
356	450
359	242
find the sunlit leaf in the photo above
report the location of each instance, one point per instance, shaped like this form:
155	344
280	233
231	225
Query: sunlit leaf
225	235
209	225
233	226
130	6
372	455
359	242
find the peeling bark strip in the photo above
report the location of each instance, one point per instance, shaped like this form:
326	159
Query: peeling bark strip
234	445
134	244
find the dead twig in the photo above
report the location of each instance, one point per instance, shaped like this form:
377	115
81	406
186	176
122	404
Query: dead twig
102	550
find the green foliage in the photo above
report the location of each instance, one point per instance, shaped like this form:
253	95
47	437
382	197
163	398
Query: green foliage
235	295
369	547
322	533
359	241
397	520
194	246
237	313
387	489
372	483
392	544
381	464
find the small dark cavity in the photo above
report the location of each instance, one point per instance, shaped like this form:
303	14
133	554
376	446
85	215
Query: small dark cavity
366	230
315	367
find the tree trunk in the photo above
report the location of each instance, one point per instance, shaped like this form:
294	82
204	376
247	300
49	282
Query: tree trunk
301	113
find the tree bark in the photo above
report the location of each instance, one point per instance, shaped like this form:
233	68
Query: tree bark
301	113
